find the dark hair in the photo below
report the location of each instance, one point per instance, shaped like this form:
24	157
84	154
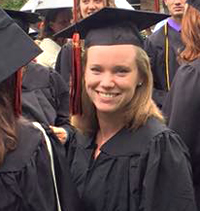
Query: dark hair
51	15
8	120
190	34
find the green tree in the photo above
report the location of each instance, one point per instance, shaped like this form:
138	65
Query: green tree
12	4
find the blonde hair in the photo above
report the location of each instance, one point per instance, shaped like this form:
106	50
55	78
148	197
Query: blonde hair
140	108
108	3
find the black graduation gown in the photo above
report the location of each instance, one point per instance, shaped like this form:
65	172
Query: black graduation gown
45	96
155	47
143	170
182	108
64	62
26	182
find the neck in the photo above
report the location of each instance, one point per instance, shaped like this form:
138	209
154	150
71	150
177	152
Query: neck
177	19
109	125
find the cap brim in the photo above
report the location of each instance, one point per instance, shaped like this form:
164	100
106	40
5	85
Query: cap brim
17	48
27	16
107	15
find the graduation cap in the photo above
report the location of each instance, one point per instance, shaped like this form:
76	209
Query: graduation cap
110	26
23	19
194	3
17	48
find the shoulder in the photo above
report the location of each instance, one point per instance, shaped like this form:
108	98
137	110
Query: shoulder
191	68
194	64
155	41
30	140
155	36
36	76
66	49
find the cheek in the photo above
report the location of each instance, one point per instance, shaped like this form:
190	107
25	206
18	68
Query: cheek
101	5
89	81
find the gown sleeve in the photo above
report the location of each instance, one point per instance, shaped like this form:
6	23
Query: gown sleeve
167	183
60	92
182	111
64	62
28	188
155	53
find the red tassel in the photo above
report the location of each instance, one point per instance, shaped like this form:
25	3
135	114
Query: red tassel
75	94
18	90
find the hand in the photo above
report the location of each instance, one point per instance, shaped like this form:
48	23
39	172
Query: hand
60	133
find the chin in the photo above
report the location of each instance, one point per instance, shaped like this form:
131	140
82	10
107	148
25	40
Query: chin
106	110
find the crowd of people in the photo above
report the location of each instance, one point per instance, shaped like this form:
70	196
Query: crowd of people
133	144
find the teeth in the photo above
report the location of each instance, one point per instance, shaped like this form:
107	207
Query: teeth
103	94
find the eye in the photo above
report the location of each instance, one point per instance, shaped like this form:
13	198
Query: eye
121	70
95	70
85	1
98	1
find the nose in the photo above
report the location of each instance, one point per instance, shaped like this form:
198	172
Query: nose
91	6
177	2
107	81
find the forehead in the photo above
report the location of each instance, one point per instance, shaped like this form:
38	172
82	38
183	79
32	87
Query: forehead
112	54
174	1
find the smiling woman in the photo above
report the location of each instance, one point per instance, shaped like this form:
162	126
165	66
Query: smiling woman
124	154
87	7
111	84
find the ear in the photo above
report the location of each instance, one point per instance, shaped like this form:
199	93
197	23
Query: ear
140	81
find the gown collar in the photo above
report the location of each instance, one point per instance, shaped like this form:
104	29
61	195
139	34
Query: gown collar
128	142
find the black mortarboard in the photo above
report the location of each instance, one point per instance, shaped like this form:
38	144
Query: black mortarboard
17	48
23	19
194	3
111	26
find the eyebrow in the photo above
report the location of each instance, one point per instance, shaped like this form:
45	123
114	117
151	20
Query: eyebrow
119	67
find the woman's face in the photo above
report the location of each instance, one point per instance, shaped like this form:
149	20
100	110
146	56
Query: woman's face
88	7
62	21
111	77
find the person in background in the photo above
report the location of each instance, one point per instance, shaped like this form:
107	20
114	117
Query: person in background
163	47
26	174
123	157
84	9
54	21
45	95
183	101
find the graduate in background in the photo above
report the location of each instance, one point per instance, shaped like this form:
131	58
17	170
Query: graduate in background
45	95
163	47
26	177
182	105
54	21
84	9
23	155
124	158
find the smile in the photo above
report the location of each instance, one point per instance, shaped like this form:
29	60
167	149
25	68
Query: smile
107	94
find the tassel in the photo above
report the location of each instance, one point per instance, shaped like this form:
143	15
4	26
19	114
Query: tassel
17	93
76	79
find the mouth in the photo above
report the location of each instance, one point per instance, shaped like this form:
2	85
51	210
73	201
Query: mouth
178	8
91	12
107	94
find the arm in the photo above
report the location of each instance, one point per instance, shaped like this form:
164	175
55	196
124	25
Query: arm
167	183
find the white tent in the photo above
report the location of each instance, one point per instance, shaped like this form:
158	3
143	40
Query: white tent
35	5
123	4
